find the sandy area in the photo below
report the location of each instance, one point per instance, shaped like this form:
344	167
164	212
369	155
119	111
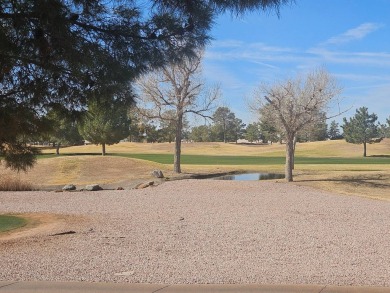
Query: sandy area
201	231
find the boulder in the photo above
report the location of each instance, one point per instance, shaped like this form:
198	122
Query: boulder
158	174
69	187
93	187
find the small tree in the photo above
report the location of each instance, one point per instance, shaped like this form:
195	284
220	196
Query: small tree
385	129
64	130
253	132
317	131
294	104
202	133
106	122
362	129
334	131
177	89
268	129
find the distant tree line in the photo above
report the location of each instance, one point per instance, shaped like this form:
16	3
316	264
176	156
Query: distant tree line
105	124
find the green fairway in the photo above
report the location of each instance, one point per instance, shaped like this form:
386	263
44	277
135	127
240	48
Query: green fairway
252	160
11	222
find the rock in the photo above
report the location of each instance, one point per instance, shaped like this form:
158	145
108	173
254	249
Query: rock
158	174
120	188
93	187
144	185
129	273
69	187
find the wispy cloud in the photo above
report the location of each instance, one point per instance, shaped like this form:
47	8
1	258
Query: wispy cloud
377	59
354	34
259	53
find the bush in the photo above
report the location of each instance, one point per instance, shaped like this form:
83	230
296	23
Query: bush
8	183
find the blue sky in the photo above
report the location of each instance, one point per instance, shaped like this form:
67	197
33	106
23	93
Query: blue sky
350	38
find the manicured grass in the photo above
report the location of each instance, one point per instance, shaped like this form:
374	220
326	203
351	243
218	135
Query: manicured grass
11	222
252	160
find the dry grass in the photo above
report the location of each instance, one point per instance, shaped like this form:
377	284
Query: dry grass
14	183
82	170
363	180
372	184
330	148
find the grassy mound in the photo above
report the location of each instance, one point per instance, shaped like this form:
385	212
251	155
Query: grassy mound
8	223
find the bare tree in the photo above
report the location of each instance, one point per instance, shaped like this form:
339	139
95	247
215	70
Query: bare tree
179	89
294	104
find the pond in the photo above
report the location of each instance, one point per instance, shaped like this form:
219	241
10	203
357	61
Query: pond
250	176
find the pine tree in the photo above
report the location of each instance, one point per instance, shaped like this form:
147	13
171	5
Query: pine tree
106	122
334	131
361	128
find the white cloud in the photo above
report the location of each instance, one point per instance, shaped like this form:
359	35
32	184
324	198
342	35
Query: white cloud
259	53
376	59
353	34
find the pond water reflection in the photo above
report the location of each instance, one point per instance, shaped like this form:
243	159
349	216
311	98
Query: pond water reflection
251	176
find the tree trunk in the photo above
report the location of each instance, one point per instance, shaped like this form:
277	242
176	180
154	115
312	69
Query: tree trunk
364	149
176	158
289	157
103	149
224	132
293	157
58	149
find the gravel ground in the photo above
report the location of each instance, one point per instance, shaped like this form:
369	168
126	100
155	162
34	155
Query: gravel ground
203	231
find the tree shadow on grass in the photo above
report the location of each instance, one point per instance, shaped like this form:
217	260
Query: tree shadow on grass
73	154
83	154
370	181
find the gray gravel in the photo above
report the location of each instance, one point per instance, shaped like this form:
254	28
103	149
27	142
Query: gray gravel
203	231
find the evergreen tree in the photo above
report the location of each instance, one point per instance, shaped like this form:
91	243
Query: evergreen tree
202	133
385	129
66	52
226	126
317	131
334	131
269	131
106	122
64	130
361	128
253	132
237	130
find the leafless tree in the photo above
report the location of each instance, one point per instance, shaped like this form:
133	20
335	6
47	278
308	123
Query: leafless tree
179	89
294	104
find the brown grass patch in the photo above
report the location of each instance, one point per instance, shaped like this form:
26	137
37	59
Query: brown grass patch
82	170
372	184
14	183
